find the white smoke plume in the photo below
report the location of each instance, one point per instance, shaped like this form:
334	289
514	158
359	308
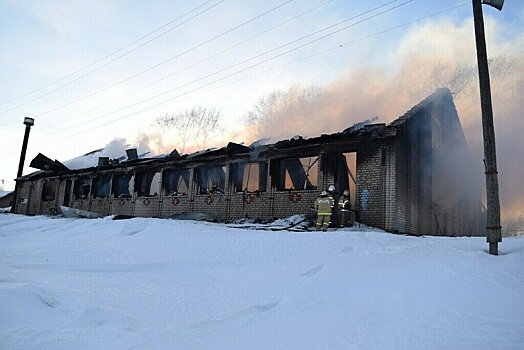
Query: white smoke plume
432	55
447	60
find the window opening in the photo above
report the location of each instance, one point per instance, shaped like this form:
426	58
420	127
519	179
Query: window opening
101	185
176	182
82	188
123	185
49	191
350	159
67	193
296	173
147	184
249	177
210	179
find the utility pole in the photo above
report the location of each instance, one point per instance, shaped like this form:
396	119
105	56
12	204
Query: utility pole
28	122
493	228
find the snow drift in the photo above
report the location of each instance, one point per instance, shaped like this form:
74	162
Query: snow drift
164	284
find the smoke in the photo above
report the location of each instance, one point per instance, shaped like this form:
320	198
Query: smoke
448	59
429	56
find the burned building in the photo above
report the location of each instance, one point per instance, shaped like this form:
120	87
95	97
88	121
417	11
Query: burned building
6	199
411	176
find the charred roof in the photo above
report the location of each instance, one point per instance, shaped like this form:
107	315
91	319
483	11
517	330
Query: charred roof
359	131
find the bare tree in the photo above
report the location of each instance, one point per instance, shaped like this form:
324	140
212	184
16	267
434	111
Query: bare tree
265	107
459	77
295	105
514	226
193	126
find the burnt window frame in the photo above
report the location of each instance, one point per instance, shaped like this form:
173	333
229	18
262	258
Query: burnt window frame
45	184
86	181
198	171
114	187
94	182
165	189
23	192
237	182
350	157
278	173
139	185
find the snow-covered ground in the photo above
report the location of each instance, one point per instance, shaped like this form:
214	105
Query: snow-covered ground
163	284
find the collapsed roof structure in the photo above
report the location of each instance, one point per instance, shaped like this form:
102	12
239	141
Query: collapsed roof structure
411	176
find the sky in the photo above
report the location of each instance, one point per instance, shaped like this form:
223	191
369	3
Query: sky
90	72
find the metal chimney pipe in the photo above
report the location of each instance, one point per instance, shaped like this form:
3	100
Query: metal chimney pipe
28	122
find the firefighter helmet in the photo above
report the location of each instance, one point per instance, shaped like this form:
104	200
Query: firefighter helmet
323	194
346	193
331	188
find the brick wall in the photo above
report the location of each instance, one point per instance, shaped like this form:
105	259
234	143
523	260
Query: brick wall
250	205
287	203
122	206
389	185
215	204
101	206
171	205
414	175
231	205
82	204
375	182
147	206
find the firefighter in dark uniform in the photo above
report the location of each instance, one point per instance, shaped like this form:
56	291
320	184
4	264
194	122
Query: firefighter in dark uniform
343	206
323	206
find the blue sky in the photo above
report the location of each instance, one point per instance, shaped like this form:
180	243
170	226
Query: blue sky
44	41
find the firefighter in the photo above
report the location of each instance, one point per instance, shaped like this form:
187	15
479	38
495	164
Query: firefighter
323	206
332	194
343	206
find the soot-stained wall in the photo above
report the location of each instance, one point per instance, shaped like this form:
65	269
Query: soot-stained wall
412	176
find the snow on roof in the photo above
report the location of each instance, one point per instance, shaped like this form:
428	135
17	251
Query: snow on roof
4	193
115	149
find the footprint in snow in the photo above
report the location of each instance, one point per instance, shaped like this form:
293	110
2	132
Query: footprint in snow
49	301
131	232
257	308
346	250
252	310
312	271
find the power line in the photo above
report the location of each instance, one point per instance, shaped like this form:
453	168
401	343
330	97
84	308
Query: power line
171	58
245	61
112	60
286	64
237	72
103	58
260	55
189	66
338	46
